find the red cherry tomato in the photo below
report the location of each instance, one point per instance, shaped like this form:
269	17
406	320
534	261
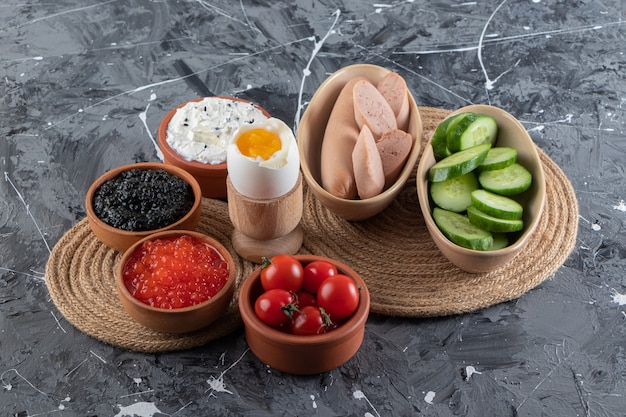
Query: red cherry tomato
305	298
316	272
339	296
282	271
274	307
309	320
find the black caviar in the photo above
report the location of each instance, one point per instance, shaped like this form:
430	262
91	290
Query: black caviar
142	199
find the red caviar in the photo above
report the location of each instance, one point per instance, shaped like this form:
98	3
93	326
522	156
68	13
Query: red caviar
175	272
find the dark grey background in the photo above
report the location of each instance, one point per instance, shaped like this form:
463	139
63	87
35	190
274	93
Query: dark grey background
84	84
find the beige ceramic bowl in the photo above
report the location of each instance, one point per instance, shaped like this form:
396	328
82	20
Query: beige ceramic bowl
311	133
303	355
510	133
212	178
119	239
179	320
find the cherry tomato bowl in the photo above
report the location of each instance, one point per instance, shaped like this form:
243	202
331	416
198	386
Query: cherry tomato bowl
193	311
303	354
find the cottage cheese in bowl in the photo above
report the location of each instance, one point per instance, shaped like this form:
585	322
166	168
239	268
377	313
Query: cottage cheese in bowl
200	130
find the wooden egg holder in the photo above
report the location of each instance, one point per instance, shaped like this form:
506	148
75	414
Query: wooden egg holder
266	227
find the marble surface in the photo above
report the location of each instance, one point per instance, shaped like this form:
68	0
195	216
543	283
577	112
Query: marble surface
84	84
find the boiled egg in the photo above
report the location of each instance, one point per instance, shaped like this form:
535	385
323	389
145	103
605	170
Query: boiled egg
262	159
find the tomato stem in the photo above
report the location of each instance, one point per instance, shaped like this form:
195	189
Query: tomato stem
327	320
289	309
265	262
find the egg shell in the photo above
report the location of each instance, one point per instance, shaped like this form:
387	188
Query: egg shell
269	179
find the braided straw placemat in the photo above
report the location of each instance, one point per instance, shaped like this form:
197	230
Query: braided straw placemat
406	274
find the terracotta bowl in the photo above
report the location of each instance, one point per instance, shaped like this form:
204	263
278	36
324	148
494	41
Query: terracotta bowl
179	320
119	239
510	133
311	133
303	355
212	178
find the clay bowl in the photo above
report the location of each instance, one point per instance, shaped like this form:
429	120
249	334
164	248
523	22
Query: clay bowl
212	178
178	320
311	132
119	239
510	133
303	355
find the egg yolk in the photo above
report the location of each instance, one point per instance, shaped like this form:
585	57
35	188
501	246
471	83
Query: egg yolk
258	143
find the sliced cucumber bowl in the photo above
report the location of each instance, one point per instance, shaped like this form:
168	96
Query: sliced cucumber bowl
486	186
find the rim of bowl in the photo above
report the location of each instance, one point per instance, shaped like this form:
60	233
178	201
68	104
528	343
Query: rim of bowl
364	70
171	153
174	170
343	331
221	249
538	179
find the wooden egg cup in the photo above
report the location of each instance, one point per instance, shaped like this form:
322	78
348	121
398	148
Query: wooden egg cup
266	227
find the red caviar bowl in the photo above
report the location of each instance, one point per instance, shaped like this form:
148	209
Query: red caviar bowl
303	355
211	177
120	239
183	319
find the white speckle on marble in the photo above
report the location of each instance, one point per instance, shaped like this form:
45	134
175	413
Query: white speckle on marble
359	395
140	409
596	227
217	384
430	396
313	400
621	206
618	298
469	371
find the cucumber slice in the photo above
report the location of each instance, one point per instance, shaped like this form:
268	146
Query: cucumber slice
498	158
473	130
439	140
454	194
460	231
456	119
511	180
493	224
458	163
500	241
496	205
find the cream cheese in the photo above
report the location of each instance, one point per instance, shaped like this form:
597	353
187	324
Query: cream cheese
200	130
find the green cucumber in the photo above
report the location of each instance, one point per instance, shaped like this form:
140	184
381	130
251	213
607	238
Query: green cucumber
493	224
498	158
460	231
458	163
473	130
496	205
454	194
500	241
456	119
439	140
511	180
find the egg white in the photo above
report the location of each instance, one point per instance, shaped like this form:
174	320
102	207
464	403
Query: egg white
264	179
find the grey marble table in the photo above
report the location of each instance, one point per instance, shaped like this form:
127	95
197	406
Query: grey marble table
84	84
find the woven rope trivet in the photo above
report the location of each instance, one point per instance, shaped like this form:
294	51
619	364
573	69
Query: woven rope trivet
393	252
